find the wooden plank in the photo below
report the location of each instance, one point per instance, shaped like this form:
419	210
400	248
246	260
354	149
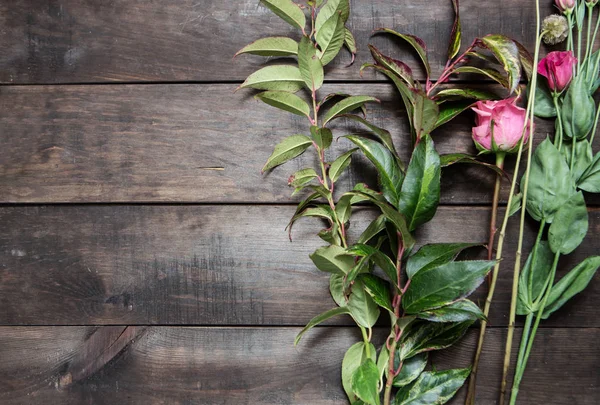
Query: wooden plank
208	265
74	41
165	143
171	365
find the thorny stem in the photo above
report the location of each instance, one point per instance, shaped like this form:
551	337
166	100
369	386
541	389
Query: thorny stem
488	301
517	267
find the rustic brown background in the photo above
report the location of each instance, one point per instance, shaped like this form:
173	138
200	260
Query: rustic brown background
143	258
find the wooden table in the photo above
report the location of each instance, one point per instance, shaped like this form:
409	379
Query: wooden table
143	257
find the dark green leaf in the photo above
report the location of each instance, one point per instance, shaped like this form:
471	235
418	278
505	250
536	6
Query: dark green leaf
399	68
439	286
378	289
578	110
526	60
459	311
346	105
353	359
416	43
331	259
405	91
425	115
271	46
390	175
289	11
532	281
331	37
464	93
572	284
289	148
427	336
434	255
570	225
319	319
381	134
363	308
420	193
544	104
343	208
490	73
590	179
310	65
365	382
507	53
454	158
301	207
550	182
276	77
286	101
515	204
456	34
340	164
322	136
583	157
372	230
433	387
411	369
449	111
376	256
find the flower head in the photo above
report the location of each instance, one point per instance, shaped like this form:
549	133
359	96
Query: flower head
566	6
557	68
499	126
555	28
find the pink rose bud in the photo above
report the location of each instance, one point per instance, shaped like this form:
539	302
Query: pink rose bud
558	67
566	6
499	126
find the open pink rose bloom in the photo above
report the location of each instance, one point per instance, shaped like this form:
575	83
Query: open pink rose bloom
557	67
503	120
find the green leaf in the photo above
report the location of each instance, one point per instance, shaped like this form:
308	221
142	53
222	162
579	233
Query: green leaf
350	43
271	46
578	110
336	288
365	382
459	311
464	93
515	204
427	336
287	10
319	211
399	68
433	387
277	77
331	259
379	258
456	34
309	64
454	158
287	149
331	37
353	359
544	104
374	228
411	369
346	105
434	255
285	101
420	193
583	157
302	177
363	308
383	361
449	111
526	60
301	207
340	164
343	208
439	286
331	235
405	91
572	284
590	179
532	281
390	176
320	319
550	183
425	114
490	73
416	43
507	53
381	134
331	8
378	289
322	136
570	225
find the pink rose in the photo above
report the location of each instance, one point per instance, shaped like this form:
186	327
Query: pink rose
565	5
557	67
501	121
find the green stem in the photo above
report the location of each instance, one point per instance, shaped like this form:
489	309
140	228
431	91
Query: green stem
588	47
540	312
595	122
488	301
387	394
595	35
570	44
573	153
367	342
558	141
523	346
579	31
534	254
517	267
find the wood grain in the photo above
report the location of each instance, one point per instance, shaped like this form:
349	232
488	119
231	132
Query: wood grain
186	143
74	41
171	365
207	265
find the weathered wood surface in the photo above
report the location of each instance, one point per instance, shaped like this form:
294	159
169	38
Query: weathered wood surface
186	143
172	365
74	41
208	265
